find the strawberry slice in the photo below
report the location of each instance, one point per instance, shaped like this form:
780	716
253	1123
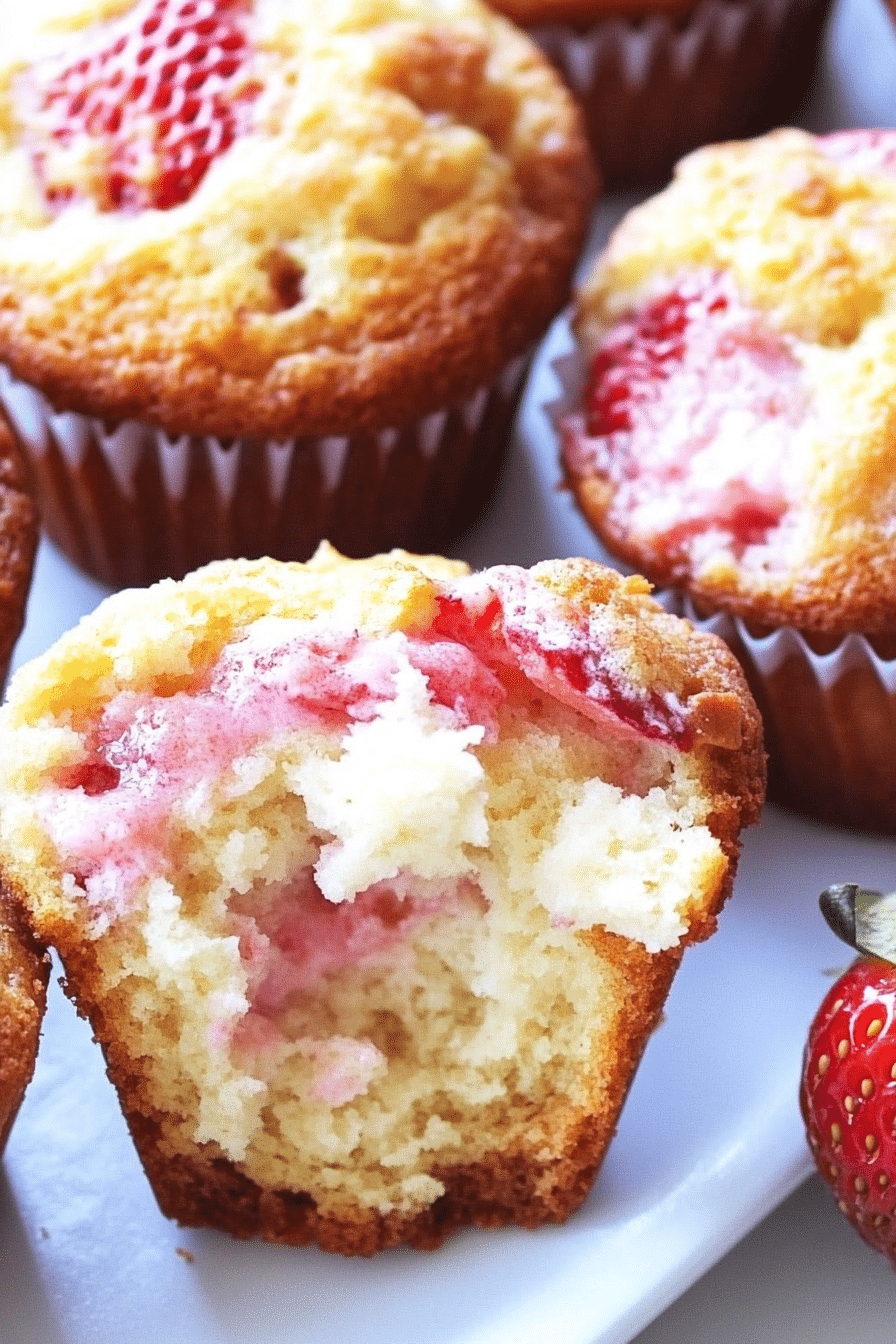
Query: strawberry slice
94	777
136	115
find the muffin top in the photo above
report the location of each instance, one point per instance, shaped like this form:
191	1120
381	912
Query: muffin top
276	218
18	544
740	424
587	636
250	645
369	871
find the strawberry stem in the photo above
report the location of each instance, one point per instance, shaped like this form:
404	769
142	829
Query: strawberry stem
864	919
838	905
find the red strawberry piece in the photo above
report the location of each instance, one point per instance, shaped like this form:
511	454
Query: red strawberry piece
94	777
693	400
848	1098
645	349
510	619
147	102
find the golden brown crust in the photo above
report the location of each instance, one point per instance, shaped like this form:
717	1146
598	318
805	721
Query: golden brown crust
846	594
24	973
514	1186
396	591
673	657
433	245
18	544
508	1189
704	675
511	1188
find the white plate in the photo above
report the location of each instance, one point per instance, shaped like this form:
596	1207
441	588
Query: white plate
710	1139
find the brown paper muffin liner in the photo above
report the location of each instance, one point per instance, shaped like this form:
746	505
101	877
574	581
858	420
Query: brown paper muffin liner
653	89
829	719
131	504
829	716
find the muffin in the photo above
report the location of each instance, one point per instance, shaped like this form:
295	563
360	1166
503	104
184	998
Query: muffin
658	78
372	876
24	971
272	272
18	545
737	437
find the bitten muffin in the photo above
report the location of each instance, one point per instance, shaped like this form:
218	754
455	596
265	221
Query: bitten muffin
272	271
738	433
372	876
24	972
18	546
658	78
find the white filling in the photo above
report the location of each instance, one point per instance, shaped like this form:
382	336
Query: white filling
429	788
626	864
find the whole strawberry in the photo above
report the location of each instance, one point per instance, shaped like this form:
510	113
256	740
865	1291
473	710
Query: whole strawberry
848	1087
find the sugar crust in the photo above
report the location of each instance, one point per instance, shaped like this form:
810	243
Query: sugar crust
433	223
371	1173
807	237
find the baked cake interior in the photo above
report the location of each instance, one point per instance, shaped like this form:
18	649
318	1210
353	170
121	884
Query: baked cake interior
357	906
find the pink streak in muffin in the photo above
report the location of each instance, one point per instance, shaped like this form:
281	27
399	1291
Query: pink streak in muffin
111	815
292	937
115	816
865	150
693	400
509	618
292	940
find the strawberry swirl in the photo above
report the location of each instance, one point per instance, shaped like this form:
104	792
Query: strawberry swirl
693	399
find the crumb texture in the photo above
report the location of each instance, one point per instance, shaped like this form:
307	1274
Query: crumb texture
372	889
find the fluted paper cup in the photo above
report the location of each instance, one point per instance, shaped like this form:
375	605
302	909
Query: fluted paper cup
131	504
655	87
829	718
